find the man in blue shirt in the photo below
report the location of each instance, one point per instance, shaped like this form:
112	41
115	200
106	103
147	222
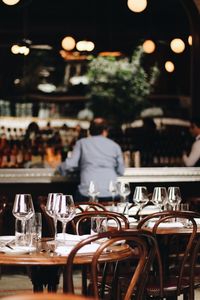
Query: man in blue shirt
99	159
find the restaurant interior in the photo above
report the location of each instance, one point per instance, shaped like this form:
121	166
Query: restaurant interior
65	64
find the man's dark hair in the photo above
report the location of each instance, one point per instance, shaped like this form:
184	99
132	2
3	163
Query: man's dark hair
97	126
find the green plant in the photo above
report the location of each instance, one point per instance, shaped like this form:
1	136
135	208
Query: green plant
118	88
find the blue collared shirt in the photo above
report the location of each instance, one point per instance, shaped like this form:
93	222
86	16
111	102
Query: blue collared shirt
100	159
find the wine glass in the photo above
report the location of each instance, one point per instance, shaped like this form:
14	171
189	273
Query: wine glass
112	188
140	197
65	210
124	190
50	209
160	197
93	191
23	210
174	196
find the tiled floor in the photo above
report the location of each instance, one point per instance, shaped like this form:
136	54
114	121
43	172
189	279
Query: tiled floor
20	283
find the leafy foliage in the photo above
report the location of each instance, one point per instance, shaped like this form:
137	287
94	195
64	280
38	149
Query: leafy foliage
118	88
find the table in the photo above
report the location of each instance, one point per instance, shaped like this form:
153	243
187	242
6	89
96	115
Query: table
45	256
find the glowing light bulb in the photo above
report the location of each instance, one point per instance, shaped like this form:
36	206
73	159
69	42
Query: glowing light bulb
68	43
137	5
15	49
10	2
149	46
169	66
177	45
190	40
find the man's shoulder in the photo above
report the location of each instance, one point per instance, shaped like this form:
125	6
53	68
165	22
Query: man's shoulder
112	142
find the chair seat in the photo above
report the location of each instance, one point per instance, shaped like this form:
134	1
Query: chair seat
169	287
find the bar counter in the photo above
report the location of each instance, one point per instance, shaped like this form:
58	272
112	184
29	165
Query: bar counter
48	175
42	181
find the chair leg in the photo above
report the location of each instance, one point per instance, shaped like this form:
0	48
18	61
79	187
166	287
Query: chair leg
37	288
52	288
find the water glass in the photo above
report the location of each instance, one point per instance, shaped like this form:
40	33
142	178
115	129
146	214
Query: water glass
183	207
23	235
98	224
36	226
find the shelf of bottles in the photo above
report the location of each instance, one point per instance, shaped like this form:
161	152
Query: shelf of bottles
163	147
49	143
36	147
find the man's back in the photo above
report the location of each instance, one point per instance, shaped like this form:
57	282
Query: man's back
101	161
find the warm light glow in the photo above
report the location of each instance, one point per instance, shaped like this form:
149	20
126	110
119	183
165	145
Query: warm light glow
15	49
110	53
68	43
90	46
10	2
137	5
190	40
149	46
26	51
177	45
85	46
169	66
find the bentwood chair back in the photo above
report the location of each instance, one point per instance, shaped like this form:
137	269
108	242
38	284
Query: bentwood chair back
82	221
115	246
178	250
89	206
81	224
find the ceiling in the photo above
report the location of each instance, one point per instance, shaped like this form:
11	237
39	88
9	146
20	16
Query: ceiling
109	23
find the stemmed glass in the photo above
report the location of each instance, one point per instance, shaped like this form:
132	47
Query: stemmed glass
140	197
50	209
93	191
159	197
124	190
23	210
65	210
174	196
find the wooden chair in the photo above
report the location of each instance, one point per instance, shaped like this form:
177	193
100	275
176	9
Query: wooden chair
89	206
82	221
178	251
141	248
81	224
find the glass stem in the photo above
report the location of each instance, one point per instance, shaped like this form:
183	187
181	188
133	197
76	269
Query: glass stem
64	224
55	227
23	231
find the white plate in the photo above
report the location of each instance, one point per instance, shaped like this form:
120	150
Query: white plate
17	250
6	238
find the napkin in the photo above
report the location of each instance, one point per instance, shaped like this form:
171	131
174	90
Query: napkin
197	220
132	222
65	250
71	237
167	225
